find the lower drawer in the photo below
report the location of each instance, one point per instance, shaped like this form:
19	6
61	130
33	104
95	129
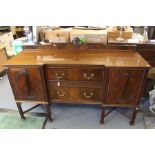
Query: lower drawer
74	94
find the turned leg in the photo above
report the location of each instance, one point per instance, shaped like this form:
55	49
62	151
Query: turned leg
133	117
102	115
20	110
48	112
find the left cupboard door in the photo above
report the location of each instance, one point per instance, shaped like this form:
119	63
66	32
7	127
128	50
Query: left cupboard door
27	83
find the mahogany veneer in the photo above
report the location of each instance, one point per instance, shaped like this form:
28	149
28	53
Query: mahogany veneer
109	78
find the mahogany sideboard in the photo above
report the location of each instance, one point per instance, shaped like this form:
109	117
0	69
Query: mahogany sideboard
108	78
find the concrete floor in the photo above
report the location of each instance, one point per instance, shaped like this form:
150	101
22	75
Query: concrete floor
72	116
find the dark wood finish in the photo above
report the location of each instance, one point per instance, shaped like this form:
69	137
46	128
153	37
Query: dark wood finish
124	86
134	85
75	84
46	107
88	46
74	93
26	83
147	52
105	114
75	74
31	108
48	112
102	115
20	110
109	78
63	85
132	121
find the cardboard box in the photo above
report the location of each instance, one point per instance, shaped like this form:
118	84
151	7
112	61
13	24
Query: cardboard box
7	40
65	35
49	35
112	32
55	36
58	40
98	39
92	36
3	57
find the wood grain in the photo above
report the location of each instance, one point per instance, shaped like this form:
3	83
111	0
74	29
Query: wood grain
114	58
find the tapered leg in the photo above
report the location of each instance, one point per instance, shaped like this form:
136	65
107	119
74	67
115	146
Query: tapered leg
133	117
102	115
20	110
48	112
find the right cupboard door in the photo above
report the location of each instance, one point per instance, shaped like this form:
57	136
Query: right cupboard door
124	86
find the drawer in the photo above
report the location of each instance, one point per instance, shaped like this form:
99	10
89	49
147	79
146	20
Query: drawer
74	94
75	74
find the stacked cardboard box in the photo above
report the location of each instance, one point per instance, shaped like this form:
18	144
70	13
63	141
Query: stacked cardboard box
91	36
68	35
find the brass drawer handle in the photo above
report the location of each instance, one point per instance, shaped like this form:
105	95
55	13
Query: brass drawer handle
88	77
60	76
61	94
88	96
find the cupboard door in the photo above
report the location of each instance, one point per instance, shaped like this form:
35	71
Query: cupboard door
26	83
124	87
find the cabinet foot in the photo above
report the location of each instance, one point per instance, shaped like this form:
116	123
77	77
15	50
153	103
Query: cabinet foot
133	117
102	115
20	110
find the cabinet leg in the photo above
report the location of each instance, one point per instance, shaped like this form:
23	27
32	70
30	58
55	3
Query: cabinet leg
133	117
20	110
102	115
48	112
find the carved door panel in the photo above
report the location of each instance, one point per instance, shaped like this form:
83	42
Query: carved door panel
124	86
26	84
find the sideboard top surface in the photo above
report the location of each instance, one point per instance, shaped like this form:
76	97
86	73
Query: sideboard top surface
109	58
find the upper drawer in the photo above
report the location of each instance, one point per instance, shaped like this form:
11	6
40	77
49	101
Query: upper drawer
75	74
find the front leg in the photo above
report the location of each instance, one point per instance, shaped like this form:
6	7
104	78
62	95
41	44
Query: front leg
133	117
102	115
48	111
20	110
